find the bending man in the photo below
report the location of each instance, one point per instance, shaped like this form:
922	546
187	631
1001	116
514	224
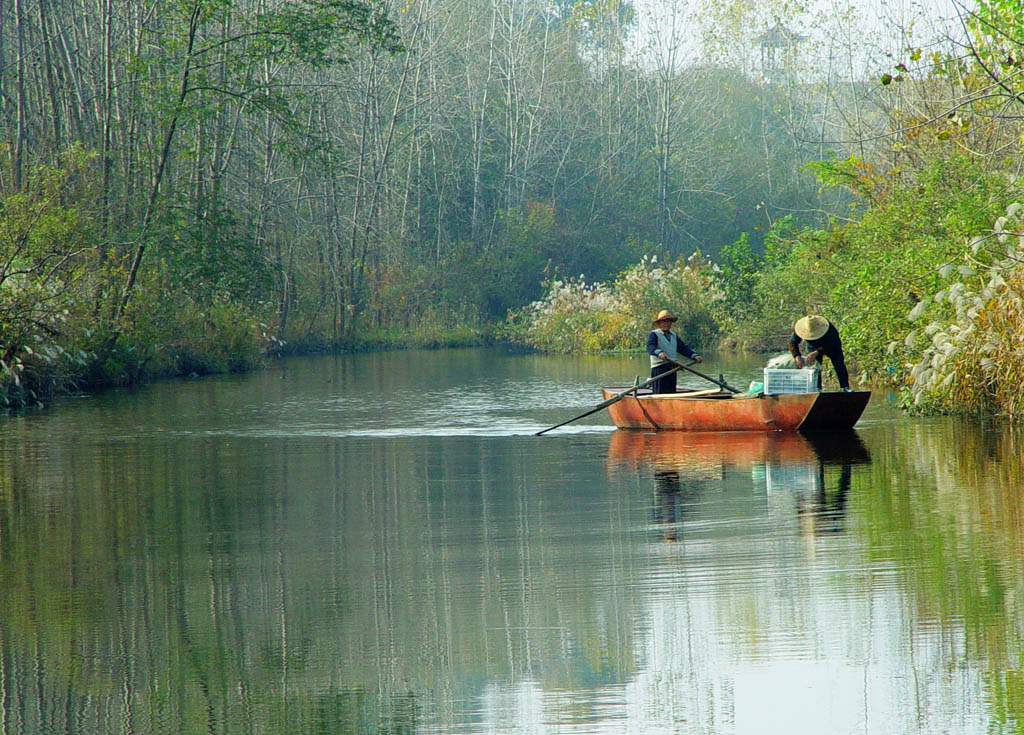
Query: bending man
822	339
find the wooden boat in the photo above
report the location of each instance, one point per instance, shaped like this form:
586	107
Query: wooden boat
719	411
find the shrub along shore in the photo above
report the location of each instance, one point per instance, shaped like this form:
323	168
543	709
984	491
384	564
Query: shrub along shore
217	349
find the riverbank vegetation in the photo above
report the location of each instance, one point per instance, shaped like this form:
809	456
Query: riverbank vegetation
188	187
923	275
925	286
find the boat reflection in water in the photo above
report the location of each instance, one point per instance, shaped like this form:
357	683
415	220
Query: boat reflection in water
687	465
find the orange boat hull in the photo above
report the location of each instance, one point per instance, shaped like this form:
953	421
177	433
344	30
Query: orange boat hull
726	412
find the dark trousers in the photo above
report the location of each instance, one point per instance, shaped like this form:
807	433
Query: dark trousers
839	363
666	384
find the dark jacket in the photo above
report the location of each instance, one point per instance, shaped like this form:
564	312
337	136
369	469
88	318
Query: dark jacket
829	343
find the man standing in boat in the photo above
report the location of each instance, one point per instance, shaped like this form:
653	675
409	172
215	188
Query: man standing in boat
822	338
665	347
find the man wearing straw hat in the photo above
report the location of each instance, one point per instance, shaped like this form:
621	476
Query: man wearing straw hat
665	347
822	338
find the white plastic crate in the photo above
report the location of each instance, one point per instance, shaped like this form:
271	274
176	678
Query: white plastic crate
790	381
801	478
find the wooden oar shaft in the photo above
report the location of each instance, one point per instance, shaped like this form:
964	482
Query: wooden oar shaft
615	398
707	377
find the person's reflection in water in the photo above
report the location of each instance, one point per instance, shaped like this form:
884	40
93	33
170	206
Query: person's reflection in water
668	492
824	509
821	511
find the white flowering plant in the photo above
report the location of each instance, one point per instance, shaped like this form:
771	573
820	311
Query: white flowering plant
970	347
577	316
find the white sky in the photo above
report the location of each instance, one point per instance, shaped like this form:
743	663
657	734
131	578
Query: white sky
865	37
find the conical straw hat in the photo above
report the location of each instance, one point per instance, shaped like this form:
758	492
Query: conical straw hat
811	327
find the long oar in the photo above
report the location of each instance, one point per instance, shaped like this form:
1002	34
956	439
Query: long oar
707	377
615	398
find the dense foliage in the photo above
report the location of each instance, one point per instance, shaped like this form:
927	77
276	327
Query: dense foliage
923	273
867	275
185	187
925	287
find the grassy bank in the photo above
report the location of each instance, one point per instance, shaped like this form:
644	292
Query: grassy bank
214	342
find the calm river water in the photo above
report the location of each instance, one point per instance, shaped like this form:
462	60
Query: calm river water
378	544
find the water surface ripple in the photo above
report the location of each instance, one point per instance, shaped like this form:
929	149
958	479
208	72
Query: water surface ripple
379	544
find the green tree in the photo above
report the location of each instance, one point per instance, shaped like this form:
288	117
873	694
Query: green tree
739	269
47	245
204	37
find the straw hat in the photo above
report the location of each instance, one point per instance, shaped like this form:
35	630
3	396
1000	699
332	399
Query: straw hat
811	327
663	315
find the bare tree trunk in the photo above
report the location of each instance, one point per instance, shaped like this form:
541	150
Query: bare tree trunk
4	113
20	102
165	154
106	154
480	124
51	83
